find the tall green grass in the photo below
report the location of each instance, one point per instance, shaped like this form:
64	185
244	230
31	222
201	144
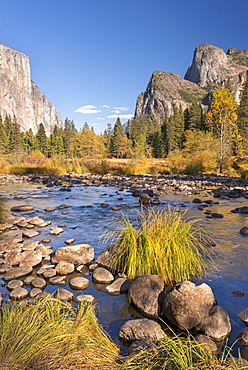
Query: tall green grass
166	243
54	335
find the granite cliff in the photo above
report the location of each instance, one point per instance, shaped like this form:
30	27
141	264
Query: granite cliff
19	95
211	68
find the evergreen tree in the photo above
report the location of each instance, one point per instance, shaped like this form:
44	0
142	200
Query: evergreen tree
175	130
194	118
42	139
8	134
30	142
70	132
109	139
57	142
242	112
16	137
118	138
2	136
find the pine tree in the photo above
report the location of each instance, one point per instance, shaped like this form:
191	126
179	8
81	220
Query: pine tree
70	132
118	138
42	139
109	139
16	136
8	137
2	136
195	118
30	142
242	112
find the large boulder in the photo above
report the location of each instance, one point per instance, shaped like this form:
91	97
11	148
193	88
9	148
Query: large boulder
187	305
146	292
31	258
79	254
141	329
217	324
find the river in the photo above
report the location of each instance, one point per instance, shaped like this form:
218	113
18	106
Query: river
87	220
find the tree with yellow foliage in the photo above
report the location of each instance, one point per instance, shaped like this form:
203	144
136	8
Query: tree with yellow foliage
221	120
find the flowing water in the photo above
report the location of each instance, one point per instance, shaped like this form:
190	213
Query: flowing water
91	221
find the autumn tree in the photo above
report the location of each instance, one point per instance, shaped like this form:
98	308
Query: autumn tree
109	139
221	119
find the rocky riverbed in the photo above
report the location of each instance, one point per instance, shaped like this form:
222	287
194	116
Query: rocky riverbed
66	215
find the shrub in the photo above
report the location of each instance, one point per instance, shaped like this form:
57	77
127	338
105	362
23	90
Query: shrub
165	243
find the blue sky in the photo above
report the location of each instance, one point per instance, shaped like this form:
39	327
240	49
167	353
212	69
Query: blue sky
92	58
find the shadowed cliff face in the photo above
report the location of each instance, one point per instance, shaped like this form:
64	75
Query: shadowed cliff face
211	68
20	96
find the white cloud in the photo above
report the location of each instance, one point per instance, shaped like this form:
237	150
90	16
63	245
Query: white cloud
96	124
116	111
100	118
121	108
126	116
105	106
87	109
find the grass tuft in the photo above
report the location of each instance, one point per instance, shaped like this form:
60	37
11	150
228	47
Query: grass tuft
54	335
165	244
180	353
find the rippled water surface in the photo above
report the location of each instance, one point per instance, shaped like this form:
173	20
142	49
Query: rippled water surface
91	221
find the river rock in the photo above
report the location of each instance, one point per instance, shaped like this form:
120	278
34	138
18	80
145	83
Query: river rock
141	329
29	245
45	251
38	283
144	198
186	305
64	294
39	222
243	230
14	257
22	208
32	258
243	337
119	286
142	345
242	210
64	268
30	233
13	284
146	292
69	241
17	272
105	258
85	298
244	316
102	275
207	343
49	209
49	273
18	293
79	283
58	280
55	230
46	240
34	292
217	324
79	254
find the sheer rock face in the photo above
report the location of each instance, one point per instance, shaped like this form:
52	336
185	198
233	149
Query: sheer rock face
211	68
165	92
20	96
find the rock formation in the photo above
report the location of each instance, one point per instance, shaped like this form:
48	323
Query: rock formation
211	68
20	96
